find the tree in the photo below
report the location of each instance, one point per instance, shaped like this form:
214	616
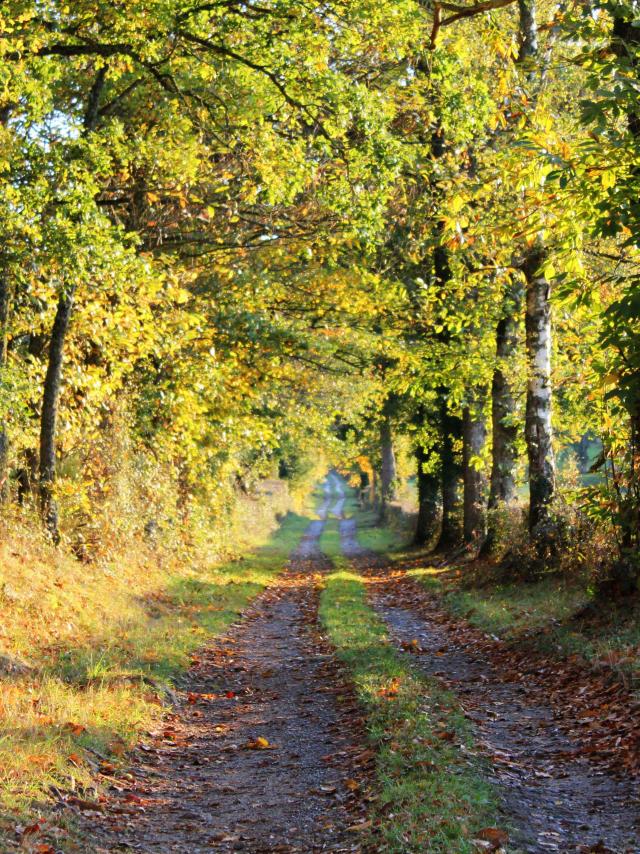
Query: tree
504	424
388	473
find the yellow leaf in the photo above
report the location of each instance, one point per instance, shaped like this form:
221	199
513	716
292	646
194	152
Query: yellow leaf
456	204
608	179
259	743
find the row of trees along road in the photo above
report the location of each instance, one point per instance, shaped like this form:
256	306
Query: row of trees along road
232	228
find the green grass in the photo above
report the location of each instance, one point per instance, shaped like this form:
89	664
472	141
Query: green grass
351	503
432	794
377	538
512	608
181	617
382	539
330	539
550	614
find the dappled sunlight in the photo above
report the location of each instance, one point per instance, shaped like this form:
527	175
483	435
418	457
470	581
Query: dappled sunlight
314	316
343	575
415	724
57	722
422	572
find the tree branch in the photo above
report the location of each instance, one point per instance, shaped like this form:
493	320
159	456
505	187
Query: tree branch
221	50
435	7
476	9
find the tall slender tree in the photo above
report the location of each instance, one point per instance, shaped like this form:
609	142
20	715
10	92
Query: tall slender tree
538	425
388	470
504	423
474	429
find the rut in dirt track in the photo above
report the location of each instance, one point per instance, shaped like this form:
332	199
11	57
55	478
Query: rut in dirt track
553	801
197	786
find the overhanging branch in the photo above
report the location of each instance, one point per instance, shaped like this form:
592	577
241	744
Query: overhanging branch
459	13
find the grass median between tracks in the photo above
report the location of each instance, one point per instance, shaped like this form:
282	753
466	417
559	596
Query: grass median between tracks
431	791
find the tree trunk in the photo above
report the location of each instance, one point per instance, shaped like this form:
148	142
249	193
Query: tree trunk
450	533
502	489
388	470
633	537
474	436
538	431
50	398
5	303
364	488
529	47
428	490
625	574
503	405
53	378
374	489
4	330
450	425
450	429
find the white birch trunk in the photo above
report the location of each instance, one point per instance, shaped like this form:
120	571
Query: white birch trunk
538	429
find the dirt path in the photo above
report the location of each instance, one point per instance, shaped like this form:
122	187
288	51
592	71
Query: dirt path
260	752
334	487
554	799
208	783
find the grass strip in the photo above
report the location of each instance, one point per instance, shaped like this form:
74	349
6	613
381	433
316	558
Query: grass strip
432	792
387	539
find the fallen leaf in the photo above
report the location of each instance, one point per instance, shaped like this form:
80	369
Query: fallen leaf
448	735
259	743
495	837
412	646
84	804
390	691
358	828
74	729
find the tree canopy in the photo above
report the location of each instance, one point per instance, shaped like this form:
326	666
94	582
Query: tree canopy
242	231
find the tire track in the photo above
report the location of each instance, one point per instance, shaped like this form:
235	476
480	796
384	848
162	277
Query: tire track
554	801
258	752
